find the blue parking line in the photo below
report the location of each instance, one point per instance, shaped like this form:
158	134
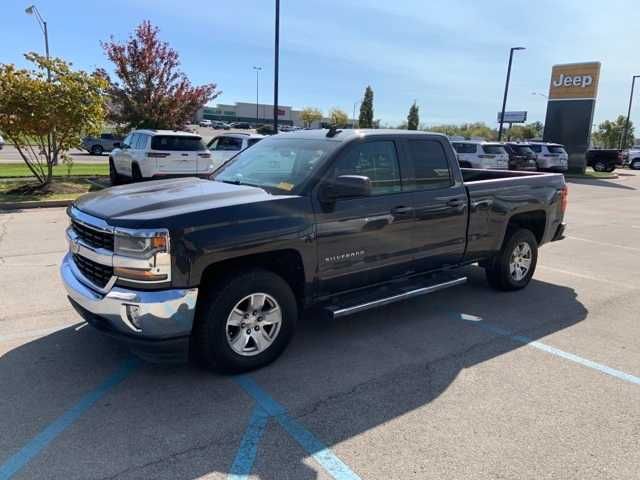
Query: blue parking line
552	350
314	447
38	443
243	463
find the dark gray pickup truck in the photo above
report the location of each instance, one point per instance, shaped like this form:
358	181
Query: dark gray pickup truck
341	220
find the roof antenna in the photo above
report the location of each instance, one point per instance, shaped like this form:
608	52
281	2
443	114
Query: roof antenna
333	131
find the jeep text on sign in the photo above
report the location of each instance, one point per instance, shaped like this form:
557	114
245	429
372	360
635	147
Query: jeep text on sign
574	80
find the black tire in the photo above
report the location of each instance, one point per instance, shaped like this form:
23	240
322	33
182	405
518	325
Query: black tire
113	174
600	166
210	342
498	269
136	174
635	164
610	168
97	150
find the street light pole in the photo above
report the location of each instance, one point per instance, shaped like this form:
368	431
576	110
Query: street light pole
257	69
275	74
355	104
506	90
33	10
626	123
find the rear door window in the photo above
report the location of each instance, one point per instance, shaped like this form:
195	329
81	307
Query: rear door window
430	164
174	143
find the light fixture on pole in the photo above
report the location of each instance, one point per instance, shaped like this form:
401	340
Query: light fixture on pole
626	123
33	10
506	89
257	69
540	94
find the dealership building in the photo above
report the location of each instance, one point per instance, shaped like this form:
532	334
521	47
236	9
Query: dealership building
246	112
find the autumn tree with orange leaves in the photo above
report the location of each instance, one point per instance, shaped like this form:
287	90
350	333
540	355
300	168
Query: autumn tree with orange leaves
151	91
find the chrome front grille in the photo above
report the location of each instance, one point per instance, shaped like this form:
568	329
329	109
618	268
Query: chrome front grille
93	237
94	272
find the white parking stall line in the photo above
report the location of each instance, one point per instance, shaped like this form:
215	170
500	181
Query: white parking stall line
604	244
38	333
588	277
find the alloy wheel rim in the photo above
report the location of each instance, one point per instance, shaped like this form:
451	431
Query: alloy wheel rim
520	263
253	324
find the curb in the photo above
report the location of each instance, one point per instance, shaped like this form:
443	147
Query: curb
30	205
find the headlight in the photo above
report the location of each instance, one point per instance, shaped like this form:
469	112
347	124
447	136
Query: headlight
141	244
142	255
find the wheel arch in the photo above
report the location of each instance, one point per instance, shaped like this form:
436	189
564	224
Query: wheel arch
534	220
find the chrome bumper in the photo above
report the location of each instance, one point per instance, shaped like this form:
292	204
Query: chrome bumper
146	315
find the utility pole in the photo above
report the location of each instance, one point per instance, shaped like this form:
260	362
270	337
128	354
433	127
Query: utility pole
626	123
506	90
257	69
275	74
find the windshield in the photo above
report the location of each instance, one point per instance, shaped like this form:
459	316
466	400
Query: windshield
281	164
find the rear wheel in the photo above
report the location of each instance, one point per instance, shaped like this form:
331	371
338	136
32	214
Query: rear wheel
515	264
600	166
97	150
245	321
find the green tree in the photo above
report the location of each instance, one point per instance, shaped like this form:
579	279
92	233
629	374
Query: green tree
413	119
467	130
338	117
309	115
609	133
43	118
526	132
366	109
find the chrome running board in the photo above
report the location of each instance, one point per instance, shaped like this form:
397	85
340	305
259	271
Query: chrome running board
343	311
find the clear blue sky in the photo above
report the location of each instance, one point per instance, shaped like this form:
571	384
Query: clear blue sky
448	55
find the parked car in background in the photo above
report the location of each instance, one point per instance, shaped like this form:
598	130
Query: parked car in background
484	155
604	160
147	154
205	123
106	142
521	157
550	156
241	125
632	159
219	125
1	142
225	146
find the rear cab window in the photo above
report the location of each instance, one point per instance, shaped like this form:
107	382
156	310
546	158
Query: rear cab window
430	164
177	143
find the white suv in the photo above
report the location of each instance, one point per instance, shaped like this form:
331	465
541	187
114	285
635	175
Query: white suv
550	156
633	157
158	154
228	145
484	155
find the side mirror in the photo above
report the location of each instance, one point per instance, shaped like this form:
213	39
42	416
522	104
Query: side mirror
345	186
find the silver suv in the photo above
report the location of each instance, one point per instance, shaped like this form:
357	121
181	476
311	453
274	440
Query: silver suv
105	143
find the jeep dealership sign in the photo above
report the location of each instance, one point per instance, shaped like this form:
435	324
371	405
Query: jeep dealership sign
573	88
574	80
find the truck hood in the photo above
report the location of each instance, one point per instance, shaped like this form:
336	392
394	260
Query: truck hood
167	198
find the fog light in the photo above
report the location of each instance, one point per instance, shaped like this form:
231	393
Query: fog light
133	316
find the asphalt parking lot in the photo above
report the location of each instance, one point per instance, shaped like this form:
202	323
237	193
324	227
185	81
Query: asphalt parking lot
466	383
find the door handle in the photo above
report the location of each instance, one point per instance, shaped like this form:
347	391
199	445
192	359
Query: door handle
401	210
455	203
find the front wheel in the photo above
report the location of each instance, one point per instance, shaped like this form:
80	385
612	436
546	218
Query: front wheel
97	150
515	264
113	174
600	166
635	165
245	322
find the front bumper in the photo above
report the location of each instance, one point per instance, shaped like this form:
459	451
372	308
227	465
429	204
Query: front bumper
155	324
